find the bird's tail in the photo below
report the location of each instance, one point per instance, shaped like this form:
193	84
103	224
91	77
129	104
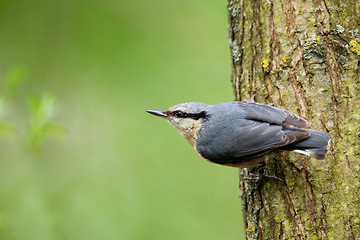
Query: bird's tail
316	145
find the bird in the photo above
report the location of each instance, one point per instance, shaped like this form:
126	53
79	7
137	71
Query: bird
243	134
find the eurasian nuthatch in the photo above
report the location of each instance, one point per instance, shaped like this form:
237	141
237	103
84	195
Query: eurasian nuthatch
243	134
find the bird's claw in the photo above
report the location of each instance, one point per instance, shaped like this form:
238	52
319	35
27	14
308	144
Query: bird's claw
261	176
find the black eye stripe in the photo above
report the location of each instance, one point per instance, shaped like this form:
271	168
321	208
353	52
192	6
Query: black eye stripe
181	114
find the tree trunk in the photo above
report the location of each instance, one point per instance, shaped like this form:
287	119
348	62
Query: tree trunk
305	54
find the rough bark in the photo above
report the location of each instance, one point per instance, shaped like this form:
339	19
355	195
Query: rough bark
306	55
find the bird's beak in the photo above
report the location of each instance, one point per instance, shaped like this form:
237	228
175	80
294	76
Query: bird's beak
158	113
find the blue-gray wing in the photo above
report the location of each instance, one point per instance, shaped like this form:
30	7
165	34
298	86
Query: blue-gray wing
249	139
266	113
256	138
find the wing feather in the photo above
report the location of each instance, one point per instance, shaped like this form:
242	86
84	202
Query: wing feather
257	137
247	141
266	113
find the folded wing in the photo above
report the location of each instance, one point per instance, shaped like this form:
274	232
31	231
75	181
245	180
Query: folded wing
266	113
250	139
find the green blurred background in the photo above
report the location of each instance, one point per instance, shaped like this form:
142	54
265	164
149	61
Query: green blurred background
80	157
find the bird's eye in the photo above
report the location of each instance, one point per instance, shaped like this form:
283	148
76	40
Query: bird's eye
180	114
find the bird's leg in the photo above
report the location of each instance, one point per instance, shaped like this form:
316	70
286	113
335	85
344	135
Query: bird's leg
253	177
253	97
272	104
261	175
274	177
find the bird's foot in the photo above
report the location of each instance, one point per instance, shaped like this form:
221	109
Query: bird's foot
252	99
261	176
272	104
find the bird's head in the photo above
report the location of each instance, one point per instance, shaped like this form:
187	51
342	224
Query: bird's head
185	117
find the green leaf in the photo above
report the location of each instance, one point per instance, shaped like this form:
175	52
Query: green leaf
14	78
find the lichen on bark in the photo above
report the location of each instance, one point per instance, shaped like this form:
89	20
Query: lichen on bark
303	54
